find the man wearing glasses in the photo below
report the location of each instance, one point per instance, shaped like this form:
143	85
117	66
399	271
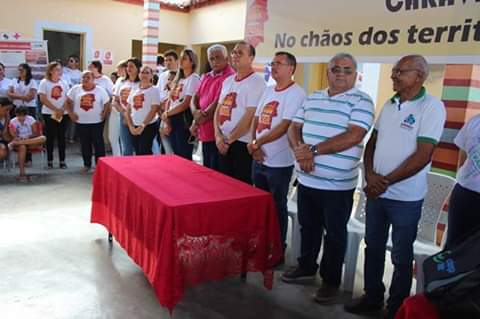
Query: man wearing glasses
273	160
238	101
326	136
397	159
72	70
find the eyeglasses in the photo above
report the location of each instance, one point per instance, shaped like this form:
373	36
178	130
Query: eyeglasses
338	69
400	72
272	64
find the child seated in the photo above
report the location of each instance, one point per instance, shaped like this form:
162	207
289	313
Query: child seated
5	104
26	135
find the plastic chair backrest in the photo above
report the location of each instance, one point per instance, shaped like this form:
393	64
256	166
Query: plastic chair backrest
361	199
439	187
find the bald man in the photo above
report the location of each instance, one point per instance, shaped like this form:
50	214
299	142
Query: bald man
397	160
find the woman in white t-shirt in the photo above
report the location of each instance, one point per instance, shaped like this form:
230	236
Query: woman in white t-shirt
125	87
23	91
464	206
88	106
4	122
143	104
53	94
178	117
115	112
5	82
101	79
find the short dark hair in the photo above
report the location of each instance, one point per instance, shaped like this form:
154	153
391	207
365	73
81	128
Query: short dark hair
21	110
251	48
2	65
97	65
171	53
291	60
75	57
160	60
5	101
60	62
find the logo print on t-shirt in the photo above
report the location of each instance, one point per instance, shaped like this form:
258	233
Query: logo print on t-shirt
408	122
268	113
57	92
138	101
124	93
229	102
86	102
176	91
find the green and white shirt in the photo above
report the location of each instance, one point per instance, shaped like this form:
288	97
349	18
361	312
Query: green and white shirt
324	117
399	127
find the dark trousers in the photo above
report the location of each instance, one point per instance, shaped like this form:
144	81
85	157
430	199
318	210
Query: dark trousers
237	163
403	216
55	131
275	180
319	212
179	136
91	135
463	214
210	155
143	143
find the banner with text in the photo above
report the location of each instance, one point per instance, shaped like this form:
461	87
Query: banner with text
444	31
33	52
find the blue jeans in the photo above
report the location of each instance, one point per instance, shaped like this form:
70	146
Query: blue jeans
125	138
276	181
319	212
179	136
210	155
403	216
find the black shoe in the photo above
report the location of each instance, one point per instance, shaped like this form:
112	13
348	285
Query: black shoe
63	165
298	275
326	294
363	306
50	165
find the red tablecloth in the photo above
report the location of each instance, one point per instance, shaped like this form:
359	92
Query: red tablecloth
184	224
417	307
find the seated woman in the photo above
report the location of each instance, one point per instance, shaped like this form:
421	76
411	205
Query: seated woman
4	120
25	135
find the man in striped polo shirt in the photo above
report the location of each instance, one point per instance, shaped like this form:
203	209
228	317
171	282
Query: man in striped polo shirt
326	136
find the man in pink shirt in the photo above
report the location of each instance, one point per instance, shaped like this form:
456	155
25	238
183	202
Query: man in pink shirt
205	102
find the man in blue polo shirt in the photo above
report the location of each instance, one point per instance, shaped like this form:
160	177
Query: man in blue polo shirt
397	159
326	136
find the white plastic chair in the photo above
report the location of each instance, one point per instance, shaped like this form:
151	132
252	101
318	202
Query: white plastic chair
439	186
356	233
296	237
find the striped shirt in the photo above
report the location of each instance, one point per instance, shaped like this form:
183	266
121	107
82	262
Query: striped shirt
324	117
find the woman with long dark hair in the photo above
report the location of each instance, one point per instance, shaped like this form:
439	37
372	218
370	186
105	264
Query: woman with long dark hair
178	117
143	104
131	83
53	94
23	91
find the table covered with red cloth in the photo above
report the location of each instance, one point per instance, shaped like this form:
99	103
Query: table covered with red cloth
417	307
184	224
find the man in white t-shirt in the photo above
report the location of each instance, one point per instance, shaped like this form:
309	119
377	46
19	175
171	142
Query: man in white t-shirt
273	159
88	105
72	70
327	138
238	101
397	159
464	206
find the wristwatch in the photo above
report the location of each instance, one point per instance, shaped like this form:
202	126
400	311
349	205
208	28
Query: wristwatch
314	150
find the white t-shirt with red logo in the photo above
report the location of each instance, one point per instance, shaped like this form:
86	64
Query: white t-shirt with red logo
183	88
123	89
275	106
234	99
141	101
106	83
88	105
56	93
23	130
